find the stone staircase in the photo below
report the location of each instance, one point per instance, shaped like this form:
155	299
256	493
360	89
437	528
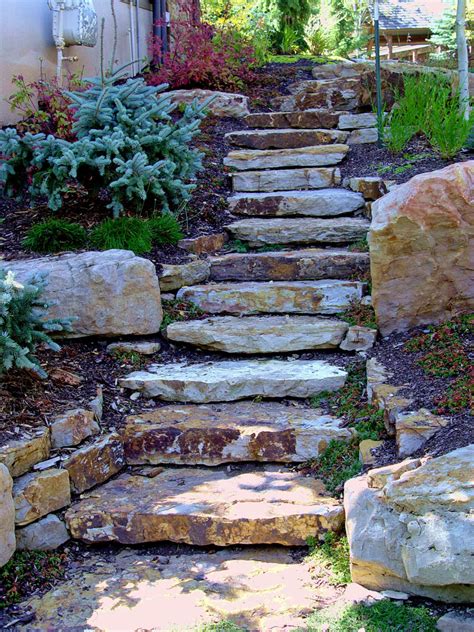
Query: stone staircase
230	483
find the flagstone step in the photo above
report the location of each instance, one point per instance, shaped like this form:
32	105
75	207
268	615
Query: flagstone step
260	334
207	507
321	203
213	434
306	119
340	230
286	179
311	264
316	156
278	297
227	381
285	138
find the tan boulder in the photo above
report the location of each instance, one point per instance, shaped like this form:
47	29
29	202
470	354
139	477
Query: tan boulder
173	276
415	533
226	104
7	516
422	249
204	244
39	493
46	534
372	188
19	456
95	463
366	456
413	429
72	427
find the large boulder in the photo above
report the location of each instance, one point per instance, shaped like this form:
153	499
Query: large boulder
7	516
222	104
422	249
108	293
413	530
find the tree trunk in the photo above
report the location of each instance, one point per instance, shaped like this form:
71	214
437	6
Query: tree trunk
463	64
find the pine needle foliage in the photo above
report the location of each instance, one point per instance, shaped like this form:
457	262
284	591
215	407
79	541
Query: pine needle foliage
22	323
165	229
128	144
55	235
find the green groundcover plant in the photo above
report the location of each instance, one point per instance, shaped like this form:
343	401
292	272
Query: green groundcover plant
128	146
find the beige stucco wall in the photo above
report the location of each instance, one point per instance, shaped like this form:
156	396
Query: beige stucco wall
26	36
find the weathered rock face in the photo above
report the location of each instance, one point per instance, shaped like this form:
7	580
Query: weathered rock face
230	381
19	456
322	203
316	156
415	533
422	248
172	277
222	104
108	293
40	493
300	265
301	230
257	334
344	94
221	433
308	119
189	505
286	179
45	535
297	297
95	463
413	429
72	427
204	243
285	138
357	121
7	516
361	136
372	188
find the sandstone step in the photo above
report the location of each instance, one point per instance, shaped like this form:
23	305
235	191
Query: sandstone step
357	121
311	264
285	138
307	119
316	156
321	203
213	434
286	179
204	507
278	297
340	230
260	334
228	381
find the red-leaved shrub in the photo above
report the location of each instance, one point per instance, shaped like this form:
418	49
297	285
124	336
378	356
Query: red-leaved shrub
202	56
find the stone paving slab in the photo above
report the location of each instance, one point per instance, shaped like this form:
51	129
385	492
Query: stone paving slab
207	506
285	138
286	179
315	156
220	433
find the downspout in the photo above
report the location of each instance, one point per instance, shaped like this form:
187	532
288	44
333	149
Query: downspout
137	25
132	35
159	27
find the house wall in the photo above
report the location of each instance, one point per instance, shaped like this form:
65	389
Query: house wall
26	38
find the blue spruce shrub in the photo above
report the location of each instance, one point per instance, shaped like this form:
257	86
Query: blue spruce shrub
22	323
127	143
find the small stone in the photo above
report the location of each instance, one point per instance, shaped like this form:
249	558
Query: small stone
7	516
362	136
142	348
95	463
359	338
172	277
357	121
395	595
40	493
456	622
68	378
204	244
413	429
97	404
46	465
19	456
366	301
355	593
46	534
366	457
72	427
372	188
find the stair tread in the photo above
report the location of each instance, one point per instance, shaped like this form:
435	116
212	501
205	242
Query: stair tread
303	119
260	334
304	230
288	265
274	297
227	381
312	156
314	203
221	433
286	179
204	507
285	138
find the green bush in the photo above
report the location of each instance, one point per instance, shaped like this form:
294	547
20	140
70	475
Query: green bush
127	145
55	235
165	229
382	616
22	324
123	233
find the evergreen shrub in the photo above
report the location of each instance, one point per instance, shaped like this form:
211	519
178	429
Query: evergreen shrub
55	235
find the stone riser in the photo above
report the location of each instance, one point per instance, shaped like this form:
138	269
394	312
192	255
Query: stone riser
286	179
316	156
285	138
